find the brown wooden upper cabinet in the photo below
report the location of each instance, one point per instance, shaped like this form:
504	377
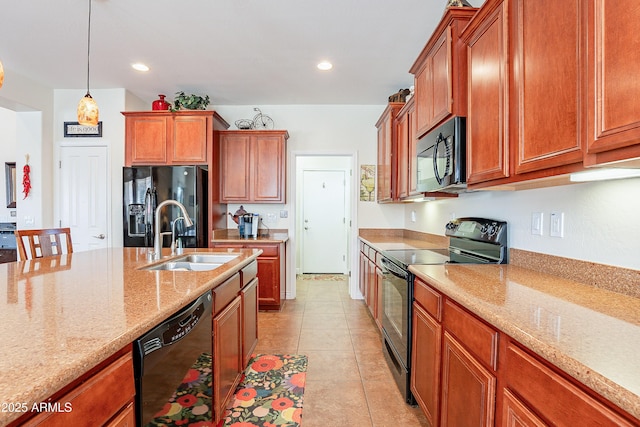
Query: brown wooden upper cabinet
613	101
170	138
525	98
253	166
487	111
387	145
441	72
406	152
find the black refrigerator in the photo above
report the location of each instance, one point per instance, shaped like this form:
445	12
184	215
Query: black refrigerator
144	187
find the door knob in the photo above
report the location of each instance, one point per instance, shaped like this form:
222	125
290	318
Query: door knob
100	236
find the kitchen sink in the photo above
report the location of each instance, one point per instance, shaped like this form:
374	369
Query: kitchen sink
193	262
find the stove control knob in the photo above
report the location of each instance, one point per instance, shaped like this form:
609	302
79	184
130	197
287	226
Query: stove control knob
484	229
451	225
492	229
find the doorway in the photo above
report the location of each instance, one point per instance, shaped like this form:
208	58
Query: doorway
84	201
323	213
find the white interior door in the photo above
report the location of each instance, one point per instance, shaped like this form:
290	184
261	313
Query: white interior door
84	196
324	240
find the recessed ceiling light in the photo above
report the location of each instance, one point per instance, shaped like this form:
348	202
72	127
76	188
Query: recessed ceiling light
325	65
140	67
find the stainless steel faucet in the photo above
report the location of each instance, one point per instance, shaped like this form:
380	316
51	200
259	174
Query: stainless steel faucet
175	249
157	241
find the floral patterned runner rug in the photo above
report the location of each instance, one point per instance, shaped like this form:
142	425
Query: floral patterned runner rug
270	393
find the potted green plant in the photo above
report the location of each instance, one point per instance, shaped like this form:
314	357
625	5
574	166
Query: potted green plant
183	101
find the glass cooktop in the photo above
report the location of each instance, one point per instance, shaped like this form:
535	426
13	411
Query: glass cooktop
406	257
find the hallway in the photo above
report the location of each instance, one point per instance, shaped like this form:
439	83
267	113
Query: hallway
348	381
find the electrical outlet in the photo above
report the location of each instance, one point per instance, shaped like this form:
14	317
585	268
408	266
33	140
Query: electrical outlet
284	214
413	216
537	219
271	218
557	224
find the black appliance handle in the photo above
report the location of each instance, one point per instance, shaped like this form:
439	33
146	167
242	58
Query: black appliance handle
394	269
436	172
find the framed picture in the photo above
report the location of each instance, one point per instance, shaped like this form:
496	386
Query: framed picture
75	129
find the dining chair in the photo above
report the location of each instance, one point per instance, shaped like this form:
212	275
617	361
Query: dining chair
44	242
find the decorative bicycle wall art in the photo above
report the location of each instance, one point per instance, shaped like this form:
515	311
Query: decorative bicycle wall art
259	122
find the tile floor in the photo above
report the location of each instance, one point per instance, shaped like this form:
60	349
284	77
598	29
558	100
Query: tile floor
348	381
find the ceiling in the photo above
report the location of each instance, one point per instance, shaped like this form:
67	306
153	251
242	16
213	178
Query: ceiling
239	52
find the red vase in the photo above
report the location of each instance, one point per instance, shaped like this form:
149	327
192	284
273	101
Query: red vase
160	104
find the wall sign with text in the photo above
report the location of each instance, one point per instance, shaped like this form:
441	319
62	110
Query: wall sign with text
75	129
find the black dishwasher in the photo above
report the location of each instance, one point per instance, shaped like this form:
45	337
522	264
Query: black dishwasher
173	367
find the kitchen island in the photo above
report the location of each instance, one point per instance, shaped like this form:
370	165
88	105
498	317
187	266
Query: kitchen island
62	316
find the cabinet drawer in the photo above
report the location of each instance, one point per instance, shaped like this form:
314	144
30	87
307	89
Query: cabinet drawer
113	387
552	396
478	337
249	272
267	250
428	299
223	294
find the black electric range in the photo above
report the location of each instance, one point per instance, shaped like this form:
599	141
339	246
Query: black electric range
471	241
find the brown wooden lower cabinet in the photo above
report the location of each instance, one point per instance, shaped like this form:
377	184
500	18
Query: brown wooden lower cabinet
466	373
104	399
228	363
425	381
544	391
468	388
249	296
271	272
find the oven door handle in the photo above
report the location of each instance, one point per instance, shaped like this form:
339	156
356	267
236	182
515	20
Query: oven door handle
393	269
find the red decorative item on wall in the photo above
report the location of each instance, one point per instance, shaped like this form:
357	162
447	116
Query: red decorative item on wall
160	104
26	180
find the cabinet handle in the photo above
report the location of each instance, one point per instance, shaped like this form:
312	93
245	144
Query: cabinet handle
100	236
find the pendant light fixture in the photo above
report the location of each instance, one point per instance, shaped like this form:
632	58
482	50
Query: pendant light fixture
1	74
87	107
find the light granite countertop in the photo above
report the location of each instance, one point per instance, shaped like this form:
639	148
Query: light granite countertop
592	334
63	315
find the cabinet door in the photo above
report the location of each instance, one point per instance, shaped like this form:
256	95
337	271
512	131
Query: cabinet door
190	136
546	100
146	140
516	414
364	274
371	288
468	388
383	171
425	362
228	362
235	166
423	96
613	100
402	128
487	121
441	83
412	173
249	296
377	291
268	167
269	283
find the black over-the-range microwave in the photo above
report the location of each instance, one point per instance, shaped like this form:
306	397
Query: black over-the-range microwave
441	163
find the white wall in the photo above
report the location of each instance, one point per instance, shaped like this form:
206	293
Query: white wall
601	219
111	103
8	129
326	129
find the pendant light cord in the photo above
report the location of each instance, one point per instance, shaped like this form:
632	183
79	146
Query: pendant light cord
88	45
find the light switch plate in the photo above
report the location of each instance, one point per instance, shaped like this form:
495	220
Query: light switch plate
557	224
537	219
